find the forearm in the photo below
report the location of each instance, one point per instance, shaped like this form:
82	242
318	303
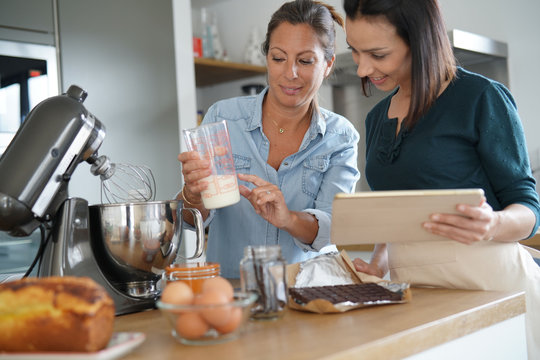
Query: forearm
514	223
302	226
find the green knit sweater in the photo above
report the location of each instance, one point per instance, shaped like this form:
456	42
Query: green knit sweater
471	137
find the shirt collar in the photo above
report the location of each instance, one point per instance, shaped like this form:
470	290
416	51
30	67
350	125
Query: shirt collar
256	120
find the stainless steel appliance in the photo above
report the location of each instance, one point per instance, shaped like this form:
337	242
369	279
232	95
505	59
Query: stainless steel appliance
124	247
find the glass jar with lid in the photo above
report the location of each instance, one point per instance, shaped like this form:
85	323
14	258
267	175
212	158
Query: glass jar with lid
193	274
263	271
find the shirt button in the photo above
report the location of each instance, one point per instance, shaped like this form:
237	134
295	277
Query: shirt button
305	250
286	163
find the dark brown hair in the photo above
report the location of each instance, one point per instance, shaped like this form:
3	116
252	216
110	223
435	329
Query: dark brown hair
420	24
316	14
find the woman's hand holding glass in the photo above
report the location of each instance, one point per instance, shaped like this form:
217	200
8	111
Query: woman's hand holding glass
194	169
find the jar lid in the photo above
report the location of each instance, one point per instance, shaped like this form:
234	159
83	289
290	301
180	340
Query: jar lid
262	251
193	269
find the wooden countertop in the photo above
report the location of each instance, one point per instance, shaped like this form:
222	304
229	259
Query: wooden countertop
433	317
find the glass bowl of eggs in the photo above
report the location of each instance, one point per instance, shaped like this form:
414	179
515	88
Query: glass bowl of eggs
214	315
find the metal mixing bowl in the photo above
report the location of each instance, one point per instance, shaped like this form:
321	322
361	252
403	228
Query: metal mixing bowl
134	242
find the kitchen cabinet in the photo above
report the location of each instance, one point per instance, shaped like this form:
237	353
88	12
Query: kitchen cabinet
29	21
211	71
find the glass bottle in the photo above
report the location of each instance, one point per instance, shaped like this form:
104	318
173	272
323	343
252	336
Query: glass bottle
263	271
207	37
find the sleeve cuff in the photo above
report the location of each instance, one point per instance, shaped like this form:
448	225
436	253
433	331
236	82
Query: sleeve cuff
323	235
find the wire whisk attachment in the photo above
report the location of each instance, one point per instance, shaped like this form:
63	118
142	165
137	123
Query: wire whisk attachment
122	183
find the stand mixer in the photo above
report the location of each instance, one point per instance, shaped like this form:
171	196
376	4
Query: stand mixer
125	245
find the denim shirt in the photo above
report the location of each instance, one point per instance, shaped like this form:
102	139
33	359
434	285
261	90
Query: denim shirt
325	164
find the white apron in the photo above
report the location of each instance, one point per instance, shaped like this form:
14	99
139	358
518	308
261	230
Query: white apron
482	266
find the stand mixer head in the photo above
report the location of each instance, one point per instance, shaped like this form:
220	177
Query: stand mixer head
58	135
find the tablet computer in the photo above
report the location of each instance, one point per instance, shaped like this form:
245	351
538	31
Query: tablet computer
374	217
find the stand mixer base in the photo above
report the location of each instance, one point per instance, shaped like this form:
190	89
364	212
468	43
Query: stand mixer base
69	253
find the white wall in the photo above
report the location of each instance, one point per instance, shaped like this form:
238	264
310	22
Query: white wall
122	53
515	23
512	22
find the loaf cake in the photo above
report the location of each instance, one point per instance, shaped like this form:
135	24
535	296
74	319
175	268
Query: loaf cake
73	314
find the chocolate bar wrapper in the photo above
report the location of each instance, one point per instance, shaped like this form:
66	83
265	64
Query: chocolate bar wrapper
401	291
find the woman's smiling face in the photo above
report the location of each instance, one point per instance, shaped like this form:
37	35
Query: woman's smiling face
296	65
381	55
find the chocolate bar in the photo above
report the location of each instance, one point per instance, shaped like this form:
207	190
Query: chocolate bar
365	293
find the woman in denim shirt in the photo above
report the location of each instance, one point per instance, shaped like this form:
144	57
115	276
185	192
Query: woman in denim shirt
291	156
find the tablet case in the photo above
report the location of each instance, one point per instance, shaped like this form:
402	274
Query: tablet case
373	217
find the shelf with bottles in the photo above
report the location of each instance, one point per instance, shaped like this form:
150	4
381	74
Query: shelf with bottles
211	71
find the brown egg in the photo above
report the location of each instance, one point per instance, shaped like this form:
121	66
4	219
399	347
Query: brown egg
178	293
220	284
191	325
215	315
233	323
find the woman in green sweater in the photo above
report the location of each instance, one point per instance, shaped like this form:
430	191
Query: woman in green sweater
443	127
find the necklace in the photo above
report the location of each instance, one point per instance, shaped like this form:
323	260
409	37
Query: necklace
281	130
